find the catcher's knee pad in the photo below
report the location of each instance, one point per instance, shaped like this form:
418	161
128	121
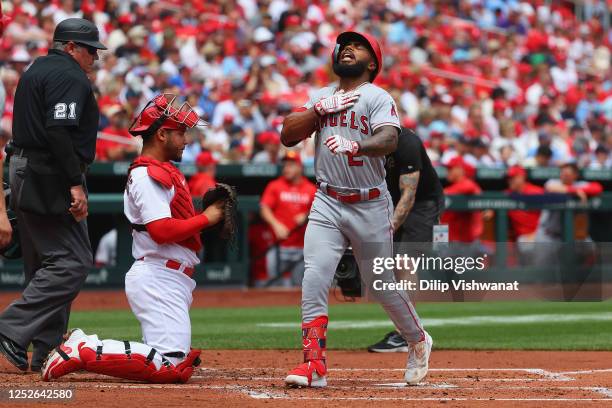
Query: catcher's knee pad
136	366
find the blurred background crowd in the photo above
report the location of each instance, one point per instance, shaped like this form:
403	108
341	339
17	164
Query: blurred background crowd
500	83
485	83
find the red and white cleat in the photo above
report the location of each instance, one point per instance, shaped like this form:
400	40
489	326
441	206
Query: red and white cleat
309	374
65	358
418	360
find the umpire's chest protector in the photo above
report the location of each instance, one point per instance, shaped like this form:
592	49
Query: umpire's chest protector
181	206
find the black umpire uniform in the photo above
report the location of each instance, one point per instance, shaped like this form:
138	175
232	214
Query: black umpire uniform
410	157
54	138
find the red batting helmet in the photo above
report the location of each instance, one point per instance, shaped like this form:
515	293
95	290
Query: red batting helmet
348	36
161	113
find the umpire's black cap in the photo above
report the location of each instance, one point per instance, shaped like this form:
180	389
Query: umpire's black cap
80	31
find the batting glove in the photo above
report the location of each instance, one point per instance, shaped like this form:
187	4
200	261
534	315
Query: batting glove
338	145
336	103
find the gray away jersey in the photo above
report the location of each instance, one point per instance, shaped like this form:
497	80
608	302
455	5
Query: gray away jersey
374	108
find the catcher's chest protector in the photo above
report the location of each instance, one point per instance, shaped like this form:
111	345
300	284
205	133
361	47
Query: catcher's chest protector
181	206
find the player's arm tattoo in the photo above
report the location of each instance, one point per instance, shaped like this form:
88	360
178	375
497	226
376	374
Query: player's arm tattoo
408	186
382	142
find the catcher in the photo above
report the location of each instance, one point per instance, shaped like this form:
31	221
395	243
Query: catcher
166	239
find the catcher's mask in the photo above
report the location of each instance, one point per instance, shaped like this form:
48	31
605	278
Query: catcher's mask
13	249
162	112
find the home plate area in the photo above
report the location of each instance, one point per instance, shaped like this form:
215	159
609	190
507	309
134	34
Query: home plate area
443	384
461	378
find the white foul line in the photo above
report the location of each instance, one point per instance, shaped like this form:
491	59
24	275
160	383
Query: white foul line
371	379
593	371
550	375
276	395
602	390
477	369
455	321
431	399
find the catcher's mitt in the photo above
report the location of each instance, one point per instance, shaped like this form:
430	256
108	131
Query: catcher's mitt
222	192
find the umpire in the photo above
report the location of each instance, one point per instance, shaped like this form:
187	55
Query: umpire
419	201
54	138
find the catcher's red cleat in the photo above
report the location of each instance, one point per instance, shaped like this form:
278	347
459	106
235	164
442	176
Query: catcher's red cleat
65	358
309	374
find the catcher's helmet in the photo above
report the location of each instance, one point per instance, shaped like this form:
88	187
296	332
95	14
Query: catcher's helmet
348	36
13	249
80	31
160	113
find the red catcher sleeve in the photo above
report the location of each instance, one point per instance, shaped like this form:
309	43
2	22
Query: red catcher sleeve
171	230
591	189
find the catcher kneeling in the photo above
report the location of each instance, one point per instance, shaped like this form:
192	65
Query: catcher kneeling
166	239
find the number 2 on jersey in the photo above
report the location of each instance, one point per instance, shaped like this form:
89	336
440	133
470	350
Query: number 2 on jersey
352	162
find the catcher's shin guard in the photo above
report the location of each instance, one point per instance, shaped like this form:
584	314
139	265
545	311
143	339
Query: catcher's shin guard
144	363
312	372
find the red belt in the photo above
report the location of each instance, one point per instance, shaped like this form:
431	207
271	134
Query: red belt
176	265
351	198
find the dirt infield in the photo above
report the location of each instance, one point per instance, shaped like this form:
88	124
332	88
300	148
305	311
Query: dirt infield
254	378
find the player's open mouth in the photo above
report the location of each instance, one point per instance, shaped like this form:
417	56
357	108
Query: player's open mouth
347	57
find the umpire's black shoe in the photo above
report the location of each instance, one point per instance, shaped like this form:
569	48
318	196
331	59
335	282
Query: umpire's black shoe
392	343
40	353
14	353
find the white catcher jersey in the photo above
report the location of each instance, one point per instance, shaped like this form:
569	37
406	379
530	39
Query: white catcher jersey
374	108
144	201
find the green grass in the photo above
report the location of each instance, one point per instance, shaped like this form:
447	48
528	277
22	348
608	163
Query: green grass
565	326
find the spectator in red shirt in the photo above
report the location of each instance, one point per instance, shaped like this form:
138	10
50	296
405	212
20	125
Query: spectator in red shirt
463	226
523	223
285	205
204	179
110	146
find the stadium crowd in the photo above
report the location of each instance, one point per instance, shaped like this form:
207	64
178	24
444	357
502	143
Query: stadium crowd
498	82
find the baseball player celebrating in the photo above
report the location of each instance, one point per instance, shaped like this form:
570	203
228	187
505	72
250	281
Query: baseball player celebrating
356	125
166	238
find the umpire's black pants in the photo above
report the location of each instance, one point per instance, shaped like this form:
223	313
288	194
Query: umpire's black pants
416	233
56	256
418	226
